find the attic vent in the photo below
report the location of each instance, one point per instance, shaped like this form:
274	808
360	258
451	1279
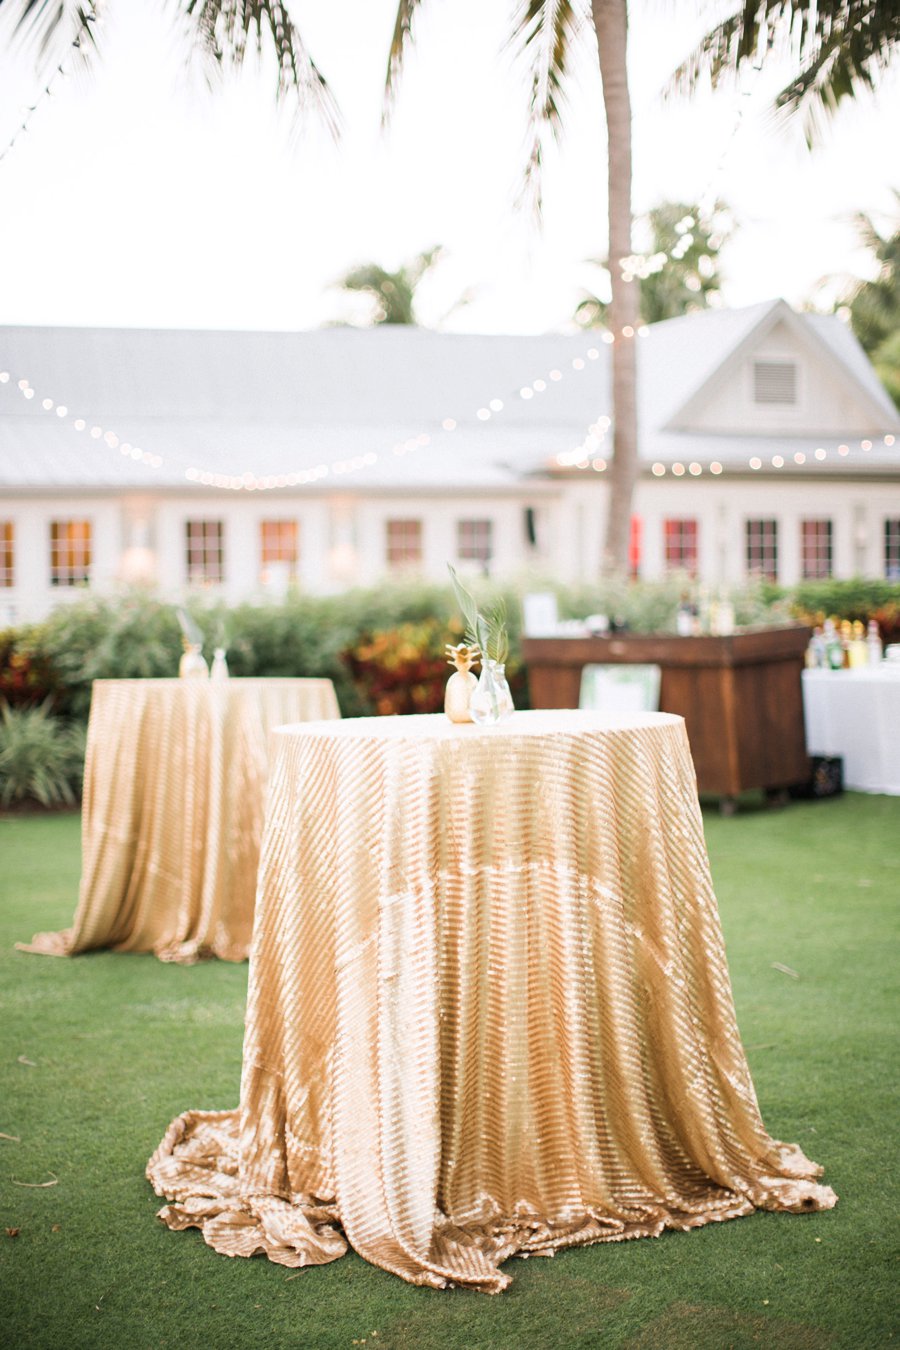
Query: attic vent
774	382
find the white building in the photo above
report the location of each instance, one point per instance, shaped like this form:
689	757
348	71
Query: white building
241	461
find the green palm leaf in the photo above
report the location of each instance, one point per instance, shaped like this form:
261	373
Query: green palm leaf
836	46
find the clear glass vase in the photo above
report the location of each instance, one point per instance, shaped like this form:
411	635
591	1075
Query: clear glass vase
491	701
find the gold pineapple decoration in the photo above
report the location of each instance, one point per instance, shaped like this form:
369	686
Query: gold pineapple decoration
462	683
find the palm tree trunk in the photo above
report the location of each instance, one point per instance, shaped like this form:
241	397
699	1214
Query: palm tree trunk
611	25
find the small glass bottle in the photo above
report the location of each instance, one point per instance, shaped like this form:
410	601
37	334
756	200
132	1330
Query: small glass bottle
815	652
834	651
874	645
491	700
219	666
684	617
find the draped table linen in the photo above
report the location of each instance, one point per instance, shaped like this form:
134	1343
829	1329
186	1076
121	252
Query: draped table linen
489	1010
174	789
855	715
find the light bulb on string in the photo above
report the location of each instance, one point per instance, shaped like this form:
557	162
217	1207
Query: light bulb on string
584	456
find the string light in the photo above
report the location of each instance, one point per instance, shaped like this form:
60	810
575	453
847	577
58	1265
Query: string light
87	18
251	482
640	266
582	457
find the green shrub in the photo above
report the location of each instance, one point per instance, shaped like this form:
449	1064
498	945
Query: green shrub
41	757
130	635
652	606
858	598
382	647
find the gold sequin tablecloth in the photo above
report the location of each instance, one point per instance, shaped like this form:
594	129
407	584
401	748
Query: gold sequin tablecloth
174	794
489	1010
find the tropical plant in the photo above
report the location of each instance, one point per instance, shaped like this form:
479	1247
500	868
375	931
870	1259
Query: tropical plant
835	47
129	636
41	757
856	598
27	674
392	293
875	305
678	272
486	629
401	669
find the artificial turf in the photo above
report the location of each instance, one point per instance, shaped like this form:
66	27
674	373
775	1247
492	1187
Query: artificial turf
99	1052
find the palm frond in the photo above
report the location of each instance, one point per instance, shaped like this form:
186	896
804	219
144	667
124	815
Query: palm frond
836	46
545	34
487	631
467	608
400	41
54	26
847	57
222	30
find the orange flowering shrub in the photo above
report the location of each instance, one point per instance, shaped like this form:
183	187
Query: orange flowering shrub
27	677
403	669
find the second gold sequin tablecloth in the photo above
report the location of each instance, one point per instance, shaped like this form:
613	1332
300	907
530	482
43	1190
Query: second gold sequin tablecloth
174	789
489	1009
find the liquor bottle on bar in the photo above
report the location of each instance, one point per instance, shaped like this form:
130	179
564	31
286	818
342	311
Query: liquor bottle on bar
874	645
834	651
846	639
859	652
684	617
815	652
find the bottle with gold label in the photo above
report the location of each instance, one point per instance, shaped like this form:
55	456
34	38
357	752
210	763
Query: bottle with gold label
858	652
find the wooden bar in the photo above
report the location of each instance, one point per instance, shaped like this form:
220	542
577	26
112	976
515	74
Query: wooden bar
740	696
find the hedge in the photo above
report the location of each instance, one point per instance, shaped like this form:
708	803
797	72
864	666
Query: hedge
383	648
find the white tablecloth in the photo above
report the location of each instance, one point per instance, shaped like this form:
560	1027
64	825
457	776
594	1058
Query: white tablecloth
856	714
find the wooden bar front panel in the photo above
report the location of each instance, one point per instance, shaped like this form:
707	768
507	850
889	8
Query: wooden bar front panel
740	696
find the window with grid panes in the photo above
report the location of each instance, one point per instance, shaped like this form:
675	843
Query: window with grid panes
815	549
7	553
404	543
475	541
892	549
279	543
205	551
681	541
70	552
762	548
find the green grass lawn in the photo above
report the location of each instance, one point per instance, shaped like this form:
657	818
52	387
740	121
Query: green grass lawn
99	1052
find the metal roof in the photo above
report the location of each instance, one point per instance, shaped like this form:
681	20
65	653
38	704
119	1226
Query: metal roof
279	403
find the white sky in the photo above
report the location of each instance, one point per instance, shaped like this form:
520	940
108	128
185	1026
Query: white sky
137	198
